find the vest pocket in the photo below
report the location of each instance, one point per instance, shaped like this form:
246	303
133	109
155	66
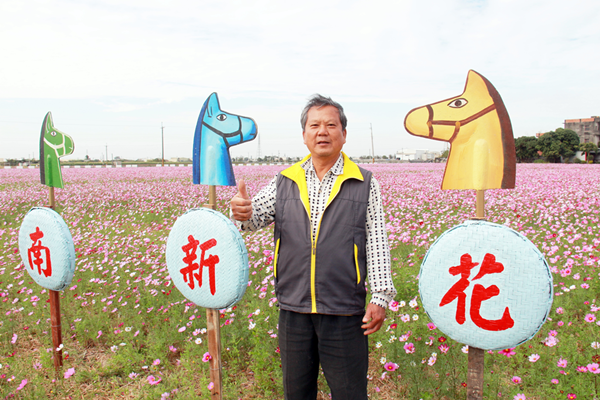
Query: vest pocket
356	264
277	255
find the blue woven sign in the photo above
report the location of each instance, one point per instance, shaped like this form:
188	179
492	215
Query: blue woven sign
46	248
486	285
207	259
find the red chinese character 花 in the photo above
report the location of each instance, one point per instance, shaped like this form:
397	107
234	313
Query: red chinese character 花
190	256
39	255
479	295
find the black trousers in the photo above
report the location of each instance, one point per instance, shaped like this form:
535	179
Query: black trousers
337	342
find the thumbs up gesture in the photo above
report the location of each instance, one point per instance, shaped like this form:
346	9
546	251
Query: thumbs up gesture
241	205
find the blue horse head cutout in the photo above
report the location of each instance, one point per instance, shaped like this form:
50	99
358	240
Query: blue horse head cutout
216	131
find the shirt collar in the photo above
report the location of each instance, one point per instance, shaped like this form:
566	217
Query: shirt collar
337	169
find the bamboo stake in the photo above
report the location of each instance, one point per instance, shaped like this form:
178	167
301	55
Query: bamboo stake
213	326
55	311
476	364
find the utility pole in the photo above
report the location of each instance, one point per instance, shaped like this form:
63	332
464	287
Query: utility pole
259	146
162	130
106	149
372	147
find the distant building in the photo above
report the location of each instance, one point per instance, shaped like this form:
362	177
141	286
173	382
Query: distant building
588	129
416	155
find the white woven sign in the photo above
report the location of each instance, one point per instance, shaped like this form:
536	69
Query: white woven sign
486	285
207	259
46	248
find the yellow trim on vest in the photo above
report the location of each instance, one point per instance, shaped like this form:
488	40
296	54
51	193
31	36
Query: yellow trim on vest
356	263
275	258
297	174
351	171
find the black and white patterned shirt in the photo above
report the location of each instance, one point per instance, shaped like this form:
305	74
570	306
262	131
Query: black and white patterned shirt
378	250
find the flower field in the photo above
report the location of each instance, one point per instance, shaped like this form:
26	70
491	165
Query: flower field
129	334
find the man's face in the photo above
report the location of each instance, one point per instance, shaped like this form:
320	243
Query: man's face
323	133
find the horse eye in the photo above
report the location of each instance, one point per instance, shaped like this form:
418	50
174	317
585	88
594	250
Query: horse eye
53	133
221	117
458	103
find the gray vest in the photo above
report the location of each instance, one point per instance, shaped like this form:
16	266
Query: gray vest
326	277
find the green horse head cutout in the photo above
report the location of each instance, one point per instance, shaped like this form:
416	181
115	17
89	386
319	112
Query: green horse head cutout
53	145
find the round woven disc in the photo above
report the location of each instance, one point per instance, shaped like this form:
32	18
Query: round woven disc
207	259
486	285
46	248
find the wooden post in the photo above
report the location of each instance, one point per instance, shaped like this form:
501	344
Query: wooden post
475	366
56	327
213	326
55	311
475	374
480	204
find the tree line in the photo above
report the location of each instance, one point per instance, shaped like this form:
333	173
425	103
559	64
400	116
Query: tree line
554	146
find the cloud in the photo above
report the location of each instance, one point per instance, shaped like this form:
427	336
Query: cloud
127	57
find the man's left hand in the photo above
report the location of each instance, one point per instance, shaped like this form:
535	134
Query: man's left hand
375	315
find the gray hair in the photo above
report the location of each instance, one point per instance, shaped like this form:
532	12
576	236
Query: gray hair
316	100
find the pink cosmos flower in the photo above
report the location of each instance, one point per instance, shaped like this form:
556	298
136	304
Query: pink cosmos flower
581	368
444	348
554	381
153	381
432	359
520	396
508	352
156	362
409	348
560	310
516	379
431	326
99	334
590	318
534	357
571	396
69	373
562	363
22	385
211	386
390	366
593	368
173	349
206	357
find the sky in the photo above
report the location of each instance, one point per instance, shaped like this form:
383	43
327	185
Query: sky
112	72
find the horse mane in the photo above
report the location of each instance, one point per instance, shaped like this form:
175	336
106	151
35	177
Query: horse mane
42	155
508	140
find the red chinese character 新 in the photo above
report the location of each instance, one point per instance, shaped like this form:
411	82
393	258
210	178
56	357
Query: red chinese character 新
210	262
479	295
39	253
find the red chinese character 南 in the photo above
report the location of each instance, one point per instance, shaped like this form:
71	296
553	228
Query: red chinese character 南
479	295
190	256
39	255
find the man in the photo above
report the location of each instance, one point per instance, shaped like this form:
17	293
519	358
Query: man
329	233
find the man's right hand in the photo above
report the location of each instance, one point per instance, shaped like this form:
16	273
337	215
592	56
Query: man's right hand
241	205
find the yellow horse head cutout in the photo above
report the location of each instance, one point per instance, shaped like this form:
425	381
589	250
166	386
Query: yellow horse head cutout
477	126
